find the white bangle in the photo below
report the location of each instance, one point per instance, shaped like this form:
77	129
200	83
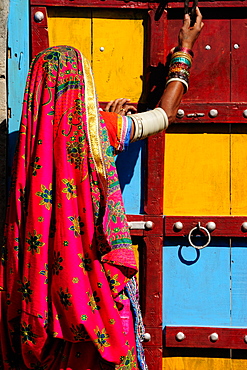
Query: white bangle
180	80
149	123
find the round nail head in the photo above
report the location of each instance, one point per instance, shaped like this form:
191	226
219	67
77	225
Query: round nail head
149	225
214	337
213	113
180	113
180	336
38	17
211	226
244	226
147	337
178	226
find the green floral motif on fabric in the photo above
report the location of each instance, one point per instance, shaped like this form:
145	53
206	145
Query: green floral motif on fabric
112	280
45	273
34	241
25	290
46	195
79	332
16	247
22	196
76	153
101	341
26	334
70	189
56	267
128	362
77	225
86	262
35	165
65	297
93	301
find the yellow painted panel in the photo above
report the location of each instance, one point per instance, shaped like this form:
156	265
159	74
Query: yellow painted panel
118	69
197	174
196	363
200	363
239	174
70	26
239	364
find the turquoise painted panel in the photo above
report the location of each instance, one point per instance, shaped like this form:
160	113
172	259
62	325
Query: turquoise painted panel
196	283
18	63
130	170
239	282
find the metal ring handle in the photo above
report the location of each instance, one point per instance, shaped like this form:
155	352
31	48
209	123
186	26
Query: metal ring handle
199	227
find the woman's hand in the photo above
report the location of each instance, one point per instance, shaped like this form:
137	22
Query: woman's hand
188	35
120	106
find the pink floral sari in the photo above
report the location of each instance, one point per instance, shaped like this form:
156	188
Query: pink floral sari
68	253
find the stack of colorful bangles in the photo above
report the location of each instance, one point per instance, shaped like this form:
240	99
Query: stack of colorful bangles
180	65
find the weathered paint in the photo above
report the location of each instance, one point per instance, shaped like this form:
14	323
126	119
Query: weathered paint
203	363
18	64
118	69
77	21
238	174
197	177
18	60
197	363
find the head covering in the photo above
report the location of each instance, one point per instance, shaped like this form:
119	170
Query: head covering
68	252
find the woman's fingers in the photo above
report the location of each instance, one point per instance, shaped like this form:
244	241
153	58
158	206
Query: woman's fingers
199	17
108	106
120	106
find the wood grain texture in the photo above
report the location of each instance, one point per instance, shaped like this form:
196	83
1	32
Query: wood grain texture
77	21
198	363
210	80
96	3
228	112
39	31
118	70
228	226
238	174
199	337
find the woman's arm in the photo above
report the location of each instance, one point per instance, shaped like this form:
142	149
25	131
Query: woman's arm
174	91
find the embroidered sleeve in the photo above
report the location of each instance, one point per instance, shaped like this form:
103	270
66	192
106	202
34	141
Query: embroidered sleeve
119	129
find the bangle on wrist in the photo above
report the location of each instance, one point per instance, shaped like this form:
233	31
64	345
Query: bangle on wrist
179	70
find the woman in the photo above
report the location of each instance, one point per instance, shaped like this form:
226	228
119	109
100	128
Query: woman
69	297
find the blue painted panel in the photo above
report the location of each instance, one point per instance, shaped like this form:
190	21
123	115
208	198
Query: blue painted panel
239	282
130	171
18	63
196	283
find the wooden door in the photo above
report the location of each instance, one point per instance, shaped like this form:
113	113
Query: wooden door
205	290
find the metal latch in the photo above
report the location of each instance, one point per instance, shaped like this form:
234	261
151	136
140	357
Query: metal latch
140	225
